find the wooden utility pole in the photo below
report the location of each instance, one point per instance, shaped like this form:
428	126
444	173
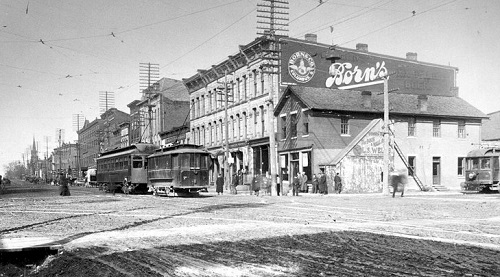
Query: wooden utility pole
385	184
227	178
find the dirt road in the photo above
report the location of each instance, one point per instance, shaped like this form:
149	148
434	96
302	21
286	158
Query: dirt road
424	234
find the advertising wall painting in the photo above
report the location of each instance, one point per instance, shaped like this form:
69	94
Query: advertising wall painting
308	64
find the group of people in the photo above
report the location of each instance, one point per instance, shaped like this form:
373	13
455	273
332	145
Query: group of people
299	184
318	184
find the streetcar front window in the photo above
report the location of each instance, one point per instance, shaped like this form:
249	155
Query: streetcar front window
473	163
195	160
204	161
485	163
185	159
137	162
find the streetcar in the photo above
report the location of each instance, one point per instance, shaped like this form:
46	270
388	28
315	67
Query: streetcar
481	171
125	168
179	170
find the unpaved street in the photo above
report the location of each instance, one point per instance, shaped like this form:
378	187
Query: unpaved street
425	234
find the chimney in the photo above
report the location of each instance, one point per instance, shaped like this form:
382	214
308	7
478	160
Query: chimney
422	103
412	56
366	97
311	37
362	47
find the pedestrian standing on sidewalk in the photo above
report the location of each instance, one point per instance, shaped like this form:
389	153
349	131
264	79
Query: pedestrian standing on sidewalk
315	184
323	188
303	182
219	184
296	184
338	183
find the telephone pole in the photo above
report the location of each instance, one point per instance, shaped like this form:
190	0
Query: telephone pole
274	15
385	175
149	75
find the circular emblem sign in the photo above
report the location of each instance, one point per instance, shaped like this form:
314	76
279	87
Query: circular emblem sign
301	67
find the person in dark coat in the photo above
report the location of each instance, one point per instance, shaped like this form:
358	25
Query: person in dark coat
323	188
219	184
315	184
256	183
296	185
338	183
64	189
235	183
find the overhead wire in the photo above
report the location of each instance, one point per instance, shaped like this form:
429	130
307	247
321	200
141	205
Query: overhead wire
401	20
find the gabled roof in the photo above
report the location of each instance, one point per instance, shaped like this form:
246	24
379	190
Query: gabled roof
404	104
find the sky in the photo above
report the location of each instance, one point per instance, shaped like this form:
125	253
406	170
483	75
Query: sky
57	56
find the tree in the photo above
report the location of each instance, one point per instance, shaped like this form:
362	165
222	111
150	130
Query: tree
14	170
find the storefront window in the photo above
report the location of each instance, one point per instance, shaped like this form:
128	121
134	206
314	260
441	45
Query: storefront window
284	167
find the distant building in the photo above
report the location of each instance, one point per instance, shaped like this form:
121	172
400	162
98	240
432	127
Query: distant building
100	135
491	129
65	158
169	103
89	137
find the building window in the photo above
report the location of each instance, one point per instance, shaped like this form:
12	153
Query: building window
411	127
245	86
231	120
284	167
344	126
238	130
411	165
262	119
255	114
192	109
305	123
238	90
245	129
261	82
203	105
254	83
283	127
461	129
460	166
221	131
436	128
293	125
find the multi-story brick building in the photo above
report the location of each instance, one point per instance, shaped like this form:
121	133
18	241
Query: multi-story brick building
65	158
100	135
89	137
323	118
252	88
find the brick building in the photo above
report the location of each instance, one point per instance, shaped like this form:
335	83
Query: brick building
169	102
102	134
323	116
333	130
330	117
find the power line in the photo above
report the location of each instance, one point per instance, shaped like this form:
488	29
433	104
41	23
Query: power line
209	39
399	21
